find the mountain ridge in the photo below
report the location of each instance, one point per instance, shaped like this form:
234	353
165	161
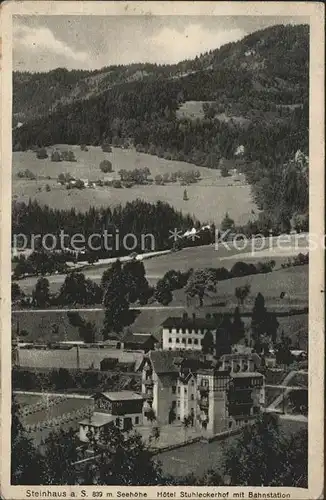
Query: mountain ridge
259	55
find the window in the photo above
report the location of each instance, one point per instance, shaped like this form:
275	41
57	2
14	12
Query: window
183	330
185	390
189	341
192	383
196	341
177	340
183	341
136	420
170	348
178	390
174	389
170	330
178	404
192	397
170	340
178	417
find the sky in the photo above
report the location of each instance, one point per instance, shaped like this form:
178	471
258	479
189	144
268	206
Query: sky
42	43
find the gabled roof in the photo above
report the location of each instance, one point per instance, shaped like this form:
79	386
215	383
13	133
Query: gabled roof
193	322
138	338
171	361
98	420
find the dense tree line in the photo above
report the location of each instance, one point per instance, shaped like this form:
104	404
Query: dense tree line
137	217
26	379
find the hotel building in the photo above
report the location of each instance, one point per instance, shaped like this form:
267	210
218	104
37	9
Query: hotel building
213	395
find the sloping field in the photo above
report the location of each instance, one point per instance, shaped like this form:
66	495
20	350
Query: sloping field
209	199
192	109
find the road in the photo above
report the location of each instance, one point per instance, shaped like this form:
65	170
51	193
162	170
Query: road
204	256
287	388
93	309
73	396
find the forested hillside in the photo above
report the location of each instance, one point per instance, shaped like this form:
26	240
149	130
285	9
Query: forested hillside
254	93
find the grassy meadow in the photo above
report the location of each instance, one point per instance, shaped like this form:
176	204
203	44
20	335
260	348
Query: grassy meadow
209	199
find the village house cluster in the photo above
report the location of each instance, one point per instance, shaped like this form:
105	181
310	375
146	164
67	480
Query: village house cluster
211	392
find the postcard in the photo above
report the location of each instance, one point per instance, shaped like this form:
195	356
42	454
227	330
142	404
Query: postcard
162	250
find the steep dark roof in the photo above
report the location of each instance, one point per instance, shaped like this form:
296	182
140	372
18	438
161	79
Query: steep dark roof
134	338
192	322
171	361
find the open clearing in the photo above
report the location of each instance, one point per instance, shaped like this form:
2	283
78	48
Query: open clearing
209	199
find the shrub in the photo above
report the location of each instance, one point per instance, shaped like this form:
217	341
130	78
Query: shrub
79	184
117	184
47	188
56	156
26	174
68	156
106	166
41	154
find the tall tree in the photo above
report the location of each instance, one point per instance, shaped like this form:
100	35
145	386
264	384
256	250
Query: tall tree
259	317
61	451
207	343
27	464
41	292
136	282
163	293
124	459
238	329
200	283
263	456
114	301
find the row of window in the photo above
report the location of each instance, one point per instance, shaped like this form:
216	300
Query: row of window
183	341
185	330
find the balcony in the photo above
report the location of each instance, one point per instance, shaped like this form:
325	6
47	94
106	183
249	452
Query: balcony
240	409
203	403
203	389
148	395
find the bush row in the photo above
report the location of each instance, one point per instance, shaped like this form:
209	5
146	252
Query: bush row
29	379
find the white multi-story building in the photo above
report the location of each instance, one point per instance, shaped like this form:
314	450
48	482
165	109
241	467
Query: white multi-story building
187	332
213	395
